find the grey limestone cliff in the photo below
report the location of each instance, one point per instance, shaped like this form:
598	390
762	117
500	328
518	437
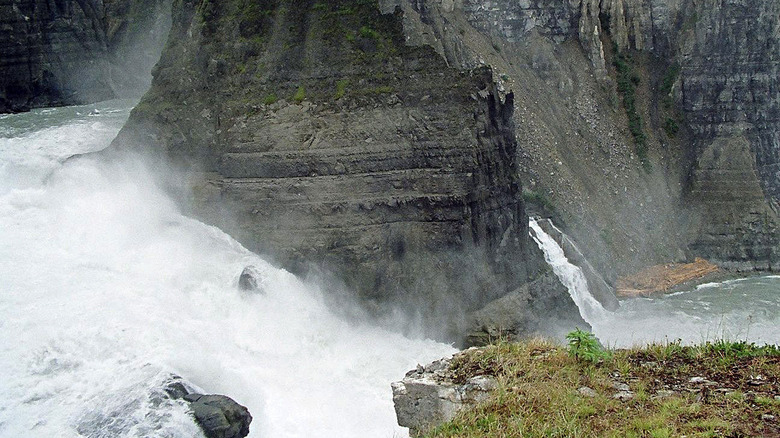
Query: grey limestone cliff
625	111
314	134
69	52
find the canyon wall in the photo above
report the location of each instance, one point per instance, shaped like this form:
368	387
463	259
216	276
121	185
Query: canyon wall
385	142
647	128
315	135
69	52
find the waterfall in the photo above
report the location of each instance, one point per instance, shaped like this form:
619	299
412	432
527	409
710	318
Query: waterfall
570	275
107	289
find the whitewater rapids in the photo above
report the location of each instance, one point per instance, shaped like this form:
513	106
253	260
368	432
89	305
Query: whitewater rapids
106	289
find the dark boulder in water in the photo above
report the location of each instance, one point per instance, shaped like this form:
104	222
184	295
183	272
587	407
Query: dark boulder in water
249	280
219	416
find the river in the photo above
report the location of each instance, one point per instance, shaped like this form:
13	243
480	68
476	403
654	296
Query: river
106	289
742	309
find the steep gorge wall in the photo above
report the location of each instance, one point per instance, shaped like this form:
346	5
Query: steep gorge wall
70	52
704	87
313	133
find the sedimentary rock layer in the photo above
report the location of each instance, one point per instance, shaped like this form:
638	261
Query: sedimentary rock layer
645	185
313	133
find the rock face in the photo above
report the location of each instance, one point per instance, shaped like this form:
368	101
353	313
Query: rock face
516	315
386	148
428	396
72	52
705	75
330	141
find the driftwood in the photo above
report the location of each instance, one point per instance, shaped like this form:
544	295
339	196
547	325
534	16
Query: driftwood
661	278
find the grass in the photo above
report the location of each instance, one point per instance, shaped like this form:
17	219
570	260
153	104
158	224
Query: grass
270	99
538	382
539	199
341	88
299	95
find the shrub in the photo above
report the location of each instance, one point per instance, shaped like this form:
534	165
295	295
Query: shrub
367	32
270	99
341	88
585	347
300	95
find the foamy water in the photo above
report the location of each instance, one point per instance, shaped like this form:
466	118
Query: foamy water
106	289
744	309
570	275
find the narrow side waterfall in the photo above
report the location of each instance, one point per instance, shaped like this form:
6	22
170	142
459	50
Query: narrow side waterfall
570	275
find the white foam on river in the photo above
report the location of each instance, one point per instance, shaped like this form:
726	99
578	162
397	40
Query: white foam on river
106	289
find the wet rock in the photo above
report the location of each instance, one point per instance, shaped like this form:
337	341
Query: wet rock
542	306
72	52
250	280
219	416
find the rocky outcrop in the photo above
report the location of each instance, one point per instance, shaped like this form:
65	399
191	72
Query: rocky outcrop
428	396
330	141
72	52
218	416
250	280
516	315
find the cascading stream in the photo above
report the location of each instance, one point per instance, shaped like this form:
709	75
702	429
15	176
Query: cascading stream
570	275
739	309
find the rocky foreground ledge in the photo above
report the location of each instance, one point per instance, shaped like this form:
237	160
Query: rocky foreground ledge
432	394
537	388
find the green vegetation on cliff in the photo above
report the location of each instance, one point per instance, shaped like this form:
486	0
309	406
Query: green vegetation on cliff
627	81
663	390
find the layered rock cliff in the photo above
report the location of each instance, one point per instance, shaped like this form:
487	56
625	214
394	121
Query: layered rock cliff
72	52
625	111
313	133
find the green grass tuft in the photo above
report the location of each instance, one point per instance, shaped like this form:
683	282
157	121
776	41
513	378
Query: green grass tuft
299	95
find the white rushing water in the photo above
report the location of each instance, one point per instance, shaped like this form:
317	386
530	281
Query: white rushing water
106	289
743	309
570	275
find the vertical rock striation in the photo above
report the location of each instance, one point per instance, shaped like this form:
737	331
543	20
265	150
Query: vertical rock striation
703	74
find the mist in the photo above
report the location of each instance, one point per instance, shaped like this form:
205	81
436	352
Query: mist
108	289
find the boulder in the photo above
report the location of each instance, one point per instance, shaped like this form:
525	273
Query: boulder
219	416
250	280
543	306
